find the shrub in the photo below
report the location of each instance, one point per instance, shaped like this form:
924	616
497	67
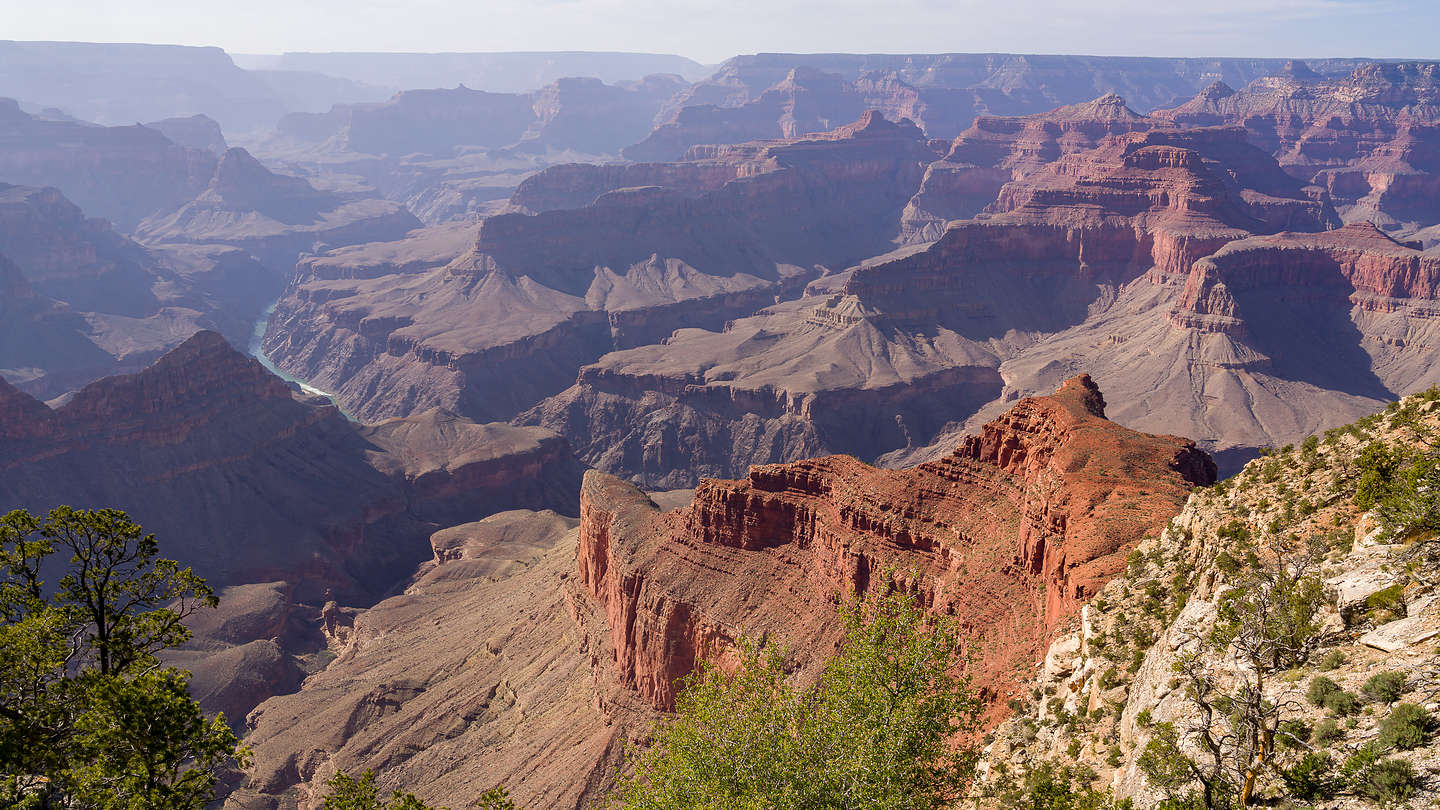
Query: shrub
874	731
1387	782
1320	689
1386	605
1405	727
1292	733
1384	687
1333	660
1046	786
1378	465
1342	704
1310	779
1327	732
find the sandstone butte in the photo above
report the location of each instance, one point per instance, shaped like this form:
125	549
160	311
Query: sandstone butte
499	665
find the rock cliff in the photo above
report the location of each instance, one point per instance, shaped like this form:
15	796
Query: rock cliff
540	295
1011	533
890	359
121	173
274	217
1366	137
492	667
1114	664
248	484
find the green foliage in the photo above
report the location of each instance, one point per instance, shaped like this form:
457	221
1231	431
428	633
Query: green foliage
1405	727
1052	786
349	793
1311	778
1321	688
1327	732
496	798
1384	687
1342	703
1386	604
1332	660
874	731
1385	781
1292	733
84	702
1166	766
1378	465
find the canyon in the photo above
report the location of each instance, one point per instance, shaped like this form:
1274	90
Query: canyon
1014	530
595	375
253	485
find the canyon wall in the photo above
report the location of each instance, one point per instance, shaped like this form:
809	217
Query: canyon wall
1010	533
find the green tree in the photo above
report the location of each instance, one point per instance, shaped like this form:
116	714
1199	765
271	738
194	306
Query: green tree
1267	620
874	731
349	793
86	709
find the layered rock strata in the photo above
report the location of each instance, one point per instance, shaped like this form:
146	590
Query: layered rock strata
248	484
492	667
121	173
891	360
274	217
539	296
1011	533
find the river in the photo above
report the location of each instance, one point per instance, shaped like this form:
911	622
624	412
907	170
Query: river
257	337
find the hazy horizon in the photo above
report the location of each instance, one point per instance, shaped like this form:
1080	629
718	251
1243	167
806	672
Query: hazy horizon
709	32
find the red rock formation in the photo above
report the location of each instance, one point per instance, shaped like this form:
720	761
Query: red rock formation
1357	265
1359	136
1088	245
1149	201
1010	533
245	483
996	150
307	494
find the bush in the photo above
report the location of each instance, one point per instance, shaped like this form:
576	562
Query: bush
1292	733
1050	786
1386	605
1378	465
1310	778
1384	687
1387	781
1327	732
874	731
1342	704
1321	688
1333	660
1405	727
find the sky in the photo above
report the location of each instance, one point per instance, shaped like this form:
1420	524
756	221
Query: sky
711	30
